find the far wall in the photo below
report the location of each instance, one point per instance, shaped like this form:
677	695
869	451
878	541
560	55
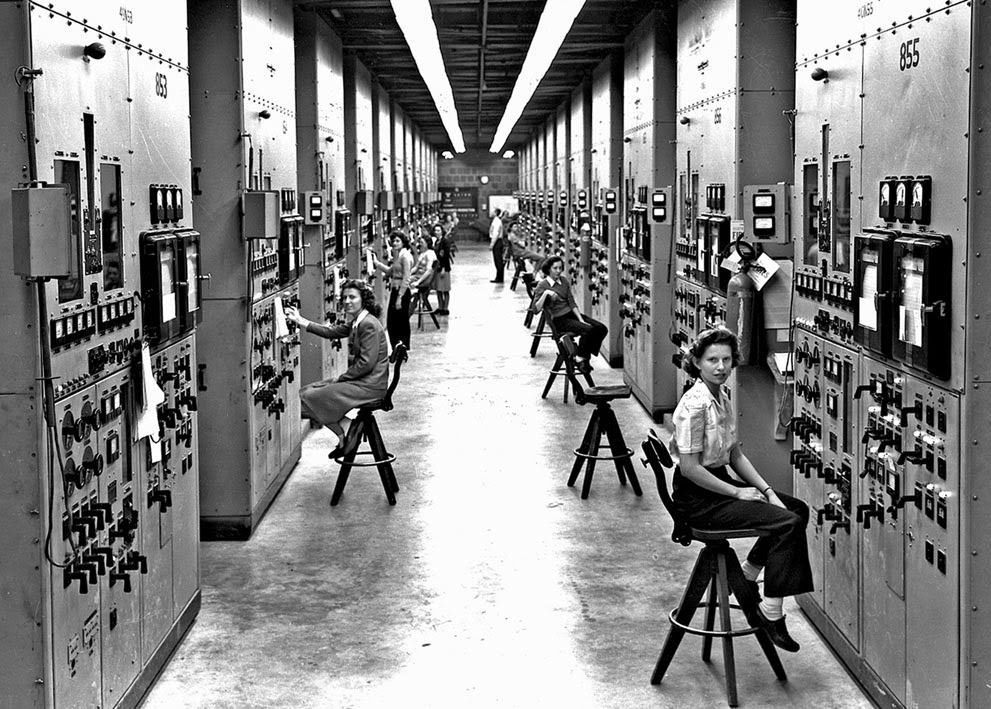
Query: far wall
464	171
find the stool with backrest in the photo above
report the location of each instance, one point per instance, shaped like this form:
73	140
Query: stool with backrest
420	306
559	368
520	270
365	429
602	422
543	329
716	569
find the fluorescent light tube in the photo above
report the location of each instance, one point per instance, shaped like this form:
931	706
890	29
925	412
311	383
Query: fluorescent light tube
417	23
553	27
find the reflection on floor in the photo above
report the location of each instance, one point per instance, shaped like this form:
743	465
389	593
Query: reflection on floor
490	583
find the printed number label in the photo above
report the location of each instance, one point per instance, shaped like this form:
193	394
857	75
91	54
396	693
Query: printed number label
126	15
908	57
161	85
717	116
865	10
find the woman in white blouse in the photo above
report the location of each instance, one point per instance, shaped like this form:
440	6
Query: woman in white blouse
711	498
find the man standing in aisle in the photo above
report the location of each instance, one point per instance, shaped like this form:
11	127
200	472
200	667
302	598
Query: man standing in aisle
497	244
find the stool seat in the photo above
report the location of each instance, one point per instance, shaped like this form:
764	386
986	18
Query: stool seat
597	394
715	535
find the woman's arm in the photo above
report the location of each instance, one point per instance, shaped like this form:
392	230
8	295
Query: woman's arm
691	468
405	265
331	332
571	300
540	295
748	473
364	359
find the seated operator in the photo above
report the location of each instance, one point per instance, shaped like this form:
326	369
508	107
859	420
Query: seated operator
555	291
367	377
707	447
517	248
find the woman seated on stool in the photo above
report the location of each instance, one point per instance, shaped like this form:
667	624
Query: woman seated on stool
517	248
707	447
422	276
555	289
367	377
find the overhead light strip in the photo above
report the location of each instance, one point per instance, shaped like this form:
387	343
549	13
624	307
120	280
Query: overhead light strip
553	27
416	20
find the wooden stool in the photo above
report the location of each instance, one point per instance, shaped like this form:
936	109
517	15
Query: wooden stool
420	305
528	282
365	429
559	369
520	270
716	569
602	422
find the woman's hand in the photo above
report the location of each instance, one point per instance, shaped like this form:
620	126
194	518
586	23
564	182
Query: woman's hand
772	498
293	315
750	494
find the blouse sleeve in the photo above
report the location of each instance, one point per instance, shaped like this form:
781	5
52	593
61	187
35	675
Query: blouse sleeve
689	427
538	290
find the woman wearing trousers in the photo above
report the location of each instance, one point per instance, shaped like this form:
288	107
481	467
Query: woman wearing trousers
711	498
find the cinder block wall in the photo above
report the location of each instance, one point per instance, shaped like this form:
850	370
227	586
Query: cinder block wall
466	169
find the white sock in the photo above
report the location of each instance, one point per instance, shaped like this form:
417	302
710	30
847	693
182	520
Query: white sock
771	608
751	571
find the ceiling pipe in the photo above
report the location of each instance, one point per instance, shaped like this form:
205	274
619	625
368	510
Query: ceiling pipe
481	69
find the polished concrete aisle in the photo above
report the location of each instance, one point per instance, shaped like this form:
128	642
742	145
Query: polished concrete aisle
490	583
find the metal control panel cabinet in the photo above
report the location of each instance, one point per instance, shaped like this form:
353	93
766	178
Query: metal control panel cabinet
888	222
99	496
735	97
320	167
606	156
646	268
245	399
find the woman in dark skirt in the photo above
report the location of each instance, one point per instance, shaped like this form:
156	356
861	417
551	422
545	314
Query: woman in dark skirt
367	377
444	248
555	290
400	295
711	498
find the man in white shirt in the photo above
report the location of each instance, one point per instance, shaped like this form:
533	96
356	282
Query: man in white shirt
497	244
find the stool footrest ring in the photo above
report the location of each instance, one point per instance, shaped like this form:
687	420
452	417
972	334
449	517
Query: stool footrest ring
390	459
749	630
621	456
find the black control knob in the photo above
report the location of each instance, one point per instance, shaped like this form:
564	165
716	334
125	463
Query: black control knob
118	577
72	573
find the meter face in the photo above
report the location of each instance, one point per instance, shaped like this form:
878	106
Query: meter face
763	201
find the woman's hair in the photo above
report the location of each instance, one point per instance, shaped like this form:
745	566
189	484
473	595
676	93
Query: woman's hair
706	339
510	227
435	227
367	296
401	235
545	267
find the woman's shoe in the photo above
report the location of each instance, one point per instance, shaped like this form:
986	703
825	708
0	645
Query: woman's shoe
778	632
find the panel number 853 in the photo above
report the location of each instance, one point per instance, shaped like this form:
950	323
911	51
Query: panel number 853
161	85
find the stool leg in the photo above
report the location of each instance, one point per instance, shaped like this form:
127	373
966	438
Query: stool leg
537	336
618	445
583	448
342	477
558	363
710	621
593	450
737	582
701	576
729	661
528	319
385	469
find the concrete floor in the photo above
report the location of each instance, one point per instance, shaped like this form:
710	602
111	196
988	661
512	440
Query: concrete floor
490	583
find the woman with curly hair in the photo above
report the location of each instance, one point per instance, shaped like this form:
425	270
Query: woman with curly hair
711	498
367	377
400	295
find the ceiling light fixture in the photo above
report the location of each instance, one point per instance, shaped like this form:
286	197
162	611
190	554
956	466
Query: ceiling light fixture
508	154
553	27
417	23
447	155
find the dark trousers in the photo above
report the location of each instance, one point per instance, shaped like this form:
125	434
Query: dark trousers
784	554
397	321
591	333
498	258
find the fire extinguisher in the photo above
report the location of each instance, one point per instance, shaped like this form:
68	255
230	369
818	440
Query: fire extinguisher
743	305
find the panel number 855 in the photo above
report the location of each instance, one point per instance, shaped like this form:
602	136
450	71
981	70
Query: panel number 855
908	57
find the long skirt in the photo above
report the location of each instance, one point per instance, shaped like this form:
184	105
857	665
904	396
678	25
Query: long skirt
329	401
